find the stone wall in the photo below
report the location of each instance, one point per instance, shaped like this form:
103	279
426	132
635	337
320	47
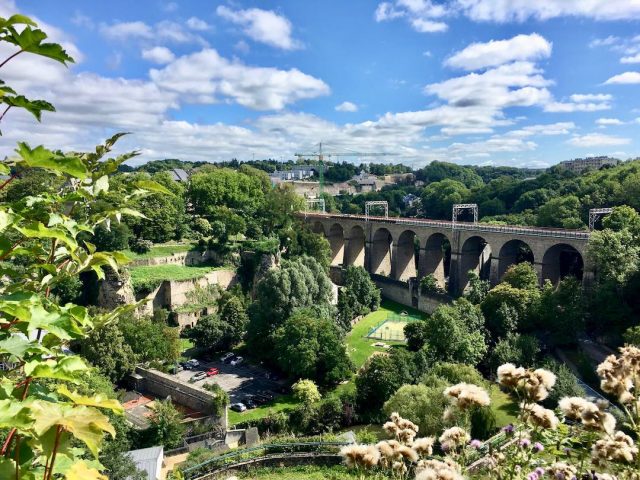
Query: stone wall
163	385
429	303
395	290
192	257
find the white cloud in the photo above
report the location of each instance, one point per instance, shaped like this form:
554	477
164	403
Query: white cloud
589	102
197	24
423	15
206	77
427	53
160	55
631	59
609	121
82	20
126	30
598	140
624	78
498	52
242	47
522	10
559	128
164	31
347	107
263	26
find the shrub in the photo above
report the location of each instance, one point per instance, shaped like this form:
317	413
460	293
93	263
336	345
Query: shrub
140	246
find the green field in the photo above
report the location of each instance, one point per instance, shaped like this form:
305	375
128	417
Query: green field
159	273
161	250
339	472
280	404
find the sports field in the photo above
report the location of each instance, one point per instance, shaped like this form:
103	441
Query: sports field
392	327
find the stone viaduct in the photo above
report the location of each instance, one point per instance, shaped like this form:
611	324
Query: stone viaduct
404	249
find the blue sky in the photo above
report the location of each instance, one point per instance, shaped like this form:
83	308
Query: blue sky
519	83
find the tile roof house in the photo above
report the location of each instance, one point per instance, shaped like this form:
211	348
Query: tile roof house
179	175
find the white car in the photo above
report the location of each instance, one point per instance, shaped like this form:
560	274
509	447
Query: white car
237	361
194	363
238	407
226	356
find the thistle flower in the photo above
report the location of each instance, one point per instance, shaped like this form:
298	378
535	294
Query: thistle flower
389	449
539	416
465	395
614	375
453	438
572	407
475	443
438	470
619	448
509	376
594	418
406	436
424	445
561	471
408	453
399	468
391	428
538	447
360	456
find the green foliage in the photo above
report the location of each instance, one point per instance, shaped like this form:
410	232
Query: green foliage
308	346
147	278
438	171
150	339
107	349
221	400
454	373
41	247
455	333
378	379
478	288
112	239
522	276
508	308
514	348
566	383
438	198
141	246
359	296
165	426
416	335
303	242
429	284
222	330
425	405
562	311
561	212
632	336
298	283
306	392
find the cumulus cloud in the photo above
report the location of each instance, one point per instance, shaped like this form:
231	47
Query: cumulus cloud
559	128
609	121
206	77
597	140
589	102
164	31
427	15
160	55
498	52
625	78
631	59
347	107
195	23
263	26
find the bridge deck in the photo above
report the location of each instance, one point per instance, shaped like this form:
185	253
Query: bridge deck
479	227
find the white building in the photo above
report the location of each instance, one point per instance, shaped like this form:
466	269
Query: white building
580	164
149	460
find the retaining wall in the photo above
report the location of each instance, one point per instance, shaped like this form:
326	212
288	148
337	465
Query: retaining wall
407	293
192	257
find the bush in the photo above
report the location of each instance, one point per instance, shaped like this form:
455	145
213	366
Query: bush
429	284
566	383
221	400
140	246
202	226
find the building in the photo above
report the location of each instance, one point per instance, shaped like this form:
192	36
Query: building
581	164
179	175
365	182
299	172
149	460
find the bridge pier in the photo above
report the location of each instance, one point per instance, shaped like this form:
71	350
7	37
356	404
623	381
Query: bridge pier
494	275
395	273
454	274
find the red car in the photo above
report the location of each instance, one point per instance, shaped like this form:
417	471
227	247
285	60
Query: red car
211	372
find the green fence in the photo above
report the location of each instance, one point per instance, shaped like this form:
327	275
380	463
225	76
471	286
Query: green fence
239	456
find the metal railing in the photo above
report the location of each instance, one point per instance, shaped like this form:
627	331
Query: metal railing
479	227
262	451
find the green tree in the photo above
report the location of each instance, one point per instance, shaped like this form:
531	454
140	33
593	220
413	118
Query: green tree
308	346
111	239
107	349
504	305
438	198
478	288
561	212
298	283
425	405
632	336
562	311
377	380
302	241
358	296
521	275
455	333
150	339
514	348
306	392
165	426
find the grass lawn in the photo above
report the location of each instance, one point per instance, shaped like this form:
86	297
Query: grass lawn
279	404
159	273
161	250
338	472
504	407
359	347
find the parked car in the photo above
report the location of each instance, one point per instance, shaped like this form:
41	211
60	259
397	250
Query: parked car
176	368
197	377
193	363
250	402
230	358
227	356
238	407
237	361
211	372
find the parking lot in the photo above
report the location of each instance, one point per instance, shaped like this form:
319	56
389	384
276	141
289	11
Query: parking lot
238	381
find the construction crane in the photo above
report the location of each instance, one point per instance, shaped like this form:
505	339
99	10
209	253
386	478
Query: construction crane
320	156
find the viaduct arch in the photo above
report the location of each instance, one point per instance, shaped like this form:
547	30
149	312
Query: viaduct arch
408	249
